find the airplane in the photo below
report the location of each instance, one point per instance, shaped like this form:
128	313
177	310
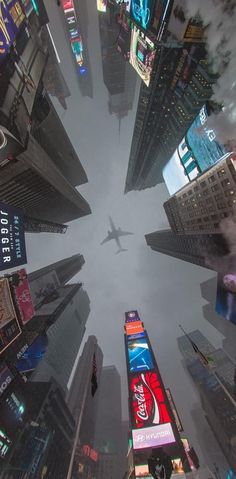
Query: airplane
115	234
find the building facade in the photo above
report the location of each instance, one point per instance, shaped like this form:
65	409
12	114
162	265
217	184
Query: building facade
192	248
65	269
181	83
200	206
217	405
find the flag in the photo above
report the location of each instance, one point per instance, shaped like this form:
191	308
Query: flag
206	360
94	383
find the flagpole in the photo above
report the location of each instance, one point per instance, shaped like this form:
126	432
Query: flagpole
70	469
212	372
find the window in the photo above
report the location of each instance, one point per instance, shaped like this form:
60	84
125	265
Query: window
229	193
225	182
203	184
215	188
221	172
211	178
214	217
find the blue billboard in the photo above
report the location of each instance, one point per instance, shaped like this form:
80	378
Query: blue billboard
139	355
33	354
11	19
141	12
12	237
198	151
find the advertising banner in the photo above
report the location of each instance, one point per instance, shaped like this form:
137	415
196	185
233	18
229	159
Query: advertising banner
134	327
102	6
141	12
226	296
6	377
9	325
139	355
11	19
155	436
31	357
44	288
148	401
21	290
12	237
142	54
197	151
131	316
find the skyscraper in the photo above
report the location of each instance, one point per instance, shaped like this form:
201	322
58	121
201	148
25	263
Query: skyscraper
81	382
69	313
219	409
108	435
193	248
200	206
65	269
180	85
34	174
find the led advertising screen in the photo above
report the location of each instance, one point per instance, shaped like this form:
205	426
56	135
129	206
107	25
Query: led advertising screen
197	152
154	436
102	6
142	471
31	357
134	327
139	355
141	11
148	401
12	237
11	20
131	316
9	325
142	54
21	291
226	296
137	336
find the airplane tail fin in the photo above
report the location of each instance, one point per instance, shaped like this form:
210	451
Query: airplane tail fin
121	250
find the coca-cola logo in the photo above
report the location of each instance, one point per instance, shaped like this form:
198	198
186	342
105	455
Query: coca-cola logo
148	401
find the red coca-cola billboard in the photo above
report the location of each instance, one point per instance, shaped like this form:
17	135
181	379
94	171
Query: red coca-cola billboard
148	403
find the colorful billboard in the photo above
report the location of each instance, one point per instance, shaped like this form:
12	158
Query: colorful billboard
142	54
12	237
9	325
11	20
102	6
141	12
32	356
198	151
21	292
134	327
155	436
139	355
226	296
142	471
131	316
148	401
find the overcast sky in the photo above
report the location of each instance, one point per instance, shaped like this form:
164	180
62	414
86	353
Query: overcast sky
165	291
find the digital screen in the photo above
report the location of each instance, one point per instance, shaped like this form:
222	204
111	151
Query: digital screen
32	356
142	54
102	6
20	286
153	436
12	17
134	327
9	325
137	336
141	12
177	466
142	470
148	402
139	355
197	151
131	316
12	237
226	296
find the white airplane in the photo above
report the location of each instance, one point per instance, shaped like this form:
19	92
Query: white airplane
115	234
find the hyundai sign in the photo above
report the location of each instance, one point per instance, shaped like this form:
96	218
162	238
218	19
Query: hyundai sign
12	237
155	436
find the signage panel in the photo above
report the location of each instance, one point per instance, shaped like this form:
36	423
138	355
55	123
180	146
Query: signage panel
9	325
148	401
139	355
155	436
11	19
6	377
134	327
141	11
20	286
131	316
12	237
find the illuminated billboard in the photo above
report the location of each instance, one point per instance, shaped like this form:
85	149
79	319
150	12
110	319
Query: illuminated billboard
181	27
131	316
11	20
134	327
21	292
198	151
148	401
141	12
139	355
142	54
155	436
73	31
102	6
12	237
9	325
142	471
32	356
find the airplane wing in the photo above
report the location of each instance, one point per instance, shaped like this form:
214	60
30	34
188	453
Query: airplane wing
123	233
108	238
